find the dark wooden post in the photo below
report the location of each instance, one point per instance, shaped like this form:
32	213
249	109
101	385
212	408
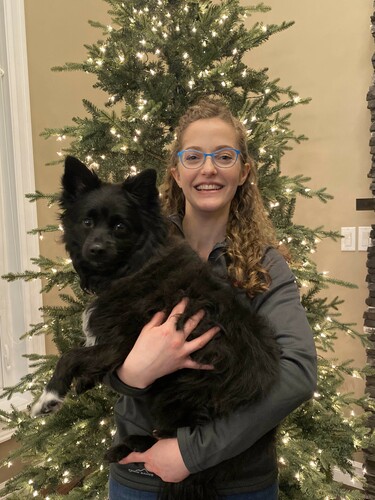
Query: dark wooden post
369	314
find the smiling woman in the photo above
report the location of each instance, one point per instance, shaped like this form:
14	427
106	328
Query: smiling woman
209	171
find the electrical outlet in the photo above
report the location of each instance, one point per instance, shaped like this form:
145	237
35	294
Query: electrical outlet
364	240
348	239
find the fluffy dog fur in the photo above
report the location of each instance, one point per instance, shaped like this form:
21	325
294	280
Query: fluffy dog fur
122	250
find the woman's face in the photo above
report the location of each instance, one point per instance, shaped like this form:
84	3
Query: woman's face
209	189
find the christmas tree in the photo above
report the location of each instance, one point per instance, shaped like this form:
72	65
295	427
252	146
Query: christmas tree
155	59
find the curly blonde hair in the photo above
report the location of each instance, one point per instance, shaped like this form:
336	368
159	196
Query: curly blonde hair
249	230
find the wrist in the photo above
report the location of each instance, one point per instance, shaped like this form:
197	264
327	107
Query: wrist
128	377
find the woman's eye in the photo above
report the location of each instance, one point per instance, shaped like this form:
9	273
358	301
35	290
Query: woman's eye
87	222
192	157
225	157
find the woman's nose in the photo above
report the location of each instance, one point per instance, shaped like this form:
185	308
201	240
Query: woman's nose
209	166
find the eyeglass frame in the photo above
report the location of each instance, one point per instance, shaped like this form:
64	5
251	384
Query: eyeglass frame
180	153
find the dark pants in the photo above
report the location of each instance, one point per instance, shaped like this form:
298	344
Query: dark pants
119	492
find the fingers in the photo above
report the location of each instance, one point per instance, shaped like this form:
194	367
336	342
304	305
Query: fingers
133	457
202	340
136	457
189	363
195	345
178	308
157	319
192	323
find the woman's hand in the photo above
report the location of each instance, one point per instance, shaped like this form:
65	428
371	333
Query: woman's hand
163	459
162	349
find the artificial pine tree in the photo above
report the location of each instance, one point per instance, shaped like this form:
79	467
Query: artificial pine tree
156	59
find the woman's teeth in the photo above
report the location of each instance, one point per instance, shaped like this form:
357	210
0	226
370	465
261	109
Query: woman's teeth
208	187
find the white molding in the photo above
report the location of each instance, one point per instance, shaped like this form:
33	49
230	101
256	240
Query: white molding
23	156
21	159
345	478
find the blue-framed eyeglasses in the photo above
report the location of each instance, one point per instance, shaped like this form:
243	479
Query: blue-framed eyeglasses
222	158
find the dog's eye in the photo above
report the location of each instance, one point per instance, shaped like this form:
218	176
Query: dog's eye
120	226
87	222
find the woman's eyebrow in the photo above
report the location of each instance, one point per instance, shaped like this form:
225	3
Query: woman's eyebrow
222	146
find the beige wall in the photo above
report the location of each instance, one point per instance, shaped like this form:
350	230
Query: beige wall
326	56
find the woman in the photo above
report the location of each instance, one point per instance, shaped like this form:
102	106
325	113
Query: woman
211	195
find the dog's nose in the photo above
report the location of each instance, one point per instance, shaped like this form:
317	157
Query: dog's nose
96	249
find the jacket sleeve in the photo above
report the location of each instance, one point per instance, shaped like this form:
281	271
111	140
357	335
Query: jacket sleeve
208	445
114	382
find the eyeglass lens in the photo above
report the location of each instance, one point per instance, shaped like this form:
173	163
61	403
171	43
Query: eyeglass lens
224	158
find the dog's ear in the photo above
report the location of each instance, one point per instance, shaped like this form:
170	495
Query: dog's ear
77	179
142	185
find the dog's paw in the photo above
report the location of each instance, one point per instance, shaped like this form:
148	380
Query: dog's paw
131	443
116	453
139	443
49	402
84	384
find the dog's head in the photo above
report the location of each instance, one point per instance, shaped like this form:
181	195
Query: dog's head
109	229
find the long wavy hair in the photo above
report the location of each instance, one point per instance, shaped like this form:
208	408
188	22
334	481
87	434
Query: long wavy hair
249	230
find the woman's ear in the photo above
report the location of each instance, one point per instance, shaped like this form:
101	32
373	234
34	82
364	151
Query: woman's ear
245	170
176	175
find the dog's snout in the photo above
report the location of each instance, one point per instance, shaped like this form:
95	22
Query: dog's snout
96	249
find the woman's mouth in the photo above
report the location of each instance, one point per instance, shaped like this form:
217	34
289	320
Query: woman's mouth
208	187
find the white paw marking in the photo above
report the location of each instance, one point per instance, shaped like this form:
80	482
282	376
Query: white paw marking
49	402
90	339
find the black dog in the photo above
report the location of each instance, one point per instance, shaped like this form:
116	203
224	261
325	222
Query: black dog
122	250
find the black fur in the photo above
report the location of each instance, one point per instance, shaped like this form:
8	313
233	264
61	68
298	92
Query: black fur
122	250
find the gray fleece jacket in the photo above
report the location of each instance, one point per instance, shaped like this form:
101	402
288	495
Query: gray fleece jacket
251	426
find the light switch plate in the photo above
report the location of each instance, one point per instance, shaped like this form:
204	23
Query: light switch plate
364	240
348	240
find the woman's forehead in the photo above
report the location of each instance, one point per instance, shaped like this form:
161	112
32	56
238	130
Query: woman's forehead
212	132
